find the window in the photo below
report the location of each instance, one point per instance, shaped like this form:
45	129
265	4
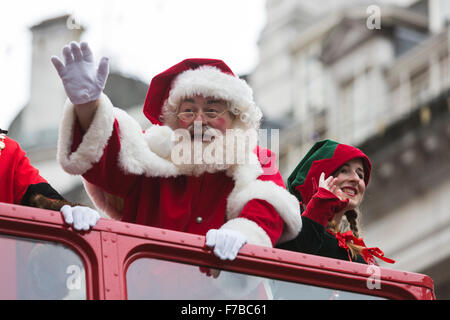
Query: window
39	270
158	279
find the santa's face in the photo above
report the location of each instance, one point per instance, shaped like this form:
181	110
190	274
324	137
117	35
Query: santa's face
207	111
205	137
350	181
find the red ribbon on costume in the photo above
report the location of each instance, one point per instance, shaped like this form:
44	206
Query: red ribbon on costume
367	253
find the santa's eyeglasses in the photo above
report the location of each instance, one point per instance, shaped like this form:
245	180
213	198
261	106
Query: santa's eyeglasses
209	115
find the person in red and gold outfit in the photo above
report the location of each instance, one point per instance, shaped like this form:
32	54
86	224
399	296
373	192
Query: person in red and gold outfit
21	183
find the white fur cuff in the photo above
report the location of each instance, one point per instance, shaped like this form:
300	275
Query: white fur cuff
94	141
254	233
284	203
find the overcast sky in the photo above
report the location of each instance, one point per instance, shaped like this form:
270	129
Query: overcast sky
140	37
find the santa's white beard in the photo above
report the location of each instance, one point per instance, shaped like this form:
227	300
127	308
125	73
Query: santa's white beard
206	149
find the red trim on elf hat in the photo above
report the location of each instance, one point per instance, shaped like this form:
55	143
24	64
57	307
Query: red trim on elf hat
160	85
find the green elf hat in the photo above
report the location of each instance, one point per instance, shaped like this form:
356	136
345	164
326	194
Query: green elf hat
325	156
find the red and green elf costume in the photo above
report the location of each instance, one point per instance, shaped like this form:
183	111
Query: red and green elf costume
320	205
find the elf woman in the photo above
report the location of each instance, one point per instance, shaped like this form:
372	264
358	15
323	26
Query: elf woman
330	182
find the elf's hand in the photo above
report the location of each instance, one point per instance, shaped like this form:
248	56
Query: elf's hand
330	185
226	242
82	218
82	79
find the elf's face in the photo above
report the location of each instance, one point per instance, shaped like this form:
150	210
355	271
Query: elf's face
210	112
350	180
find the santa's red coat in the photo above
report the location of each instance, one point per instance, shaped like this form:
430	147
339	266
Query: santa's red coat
116	160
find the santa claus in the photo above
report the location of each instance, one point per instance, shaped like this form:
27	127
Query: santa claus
156	177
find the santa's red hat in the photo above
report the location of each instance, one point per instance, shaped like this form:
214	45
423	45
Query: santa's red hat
206	77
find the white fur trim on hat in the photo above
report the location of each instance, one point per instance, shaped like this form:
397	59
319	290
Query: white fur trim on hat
209	81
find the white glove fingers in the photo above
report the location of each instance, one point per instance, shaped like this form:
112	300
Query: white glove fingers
103	70
233	252
231	248
67	55
86	51
67	214
85	219
93	218
77	219
223	245
59	66
76	51
218	251
211	238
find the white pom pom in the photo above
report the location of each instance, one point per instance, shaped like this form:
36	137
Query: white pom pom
160	139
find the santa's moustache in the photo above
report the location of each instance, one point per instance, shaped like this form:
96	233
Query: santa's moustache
203	148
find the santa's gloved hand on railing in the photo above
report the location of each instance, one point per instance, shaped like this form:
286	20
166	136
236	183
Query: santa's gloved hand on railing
82	218
226	242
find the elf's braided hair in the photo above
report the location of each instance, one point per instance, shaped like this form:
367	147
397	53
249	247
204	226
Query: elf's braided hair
352	224
352	218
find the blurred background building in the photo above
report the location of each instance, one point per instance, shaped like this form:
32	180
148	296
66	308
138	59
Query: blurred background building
373	75
367	73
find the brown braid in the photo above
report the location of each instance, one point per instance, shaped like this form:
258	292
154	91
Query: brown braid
352	218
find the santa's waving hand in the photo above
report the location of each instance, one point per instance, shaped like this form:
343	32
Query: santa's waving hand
82	79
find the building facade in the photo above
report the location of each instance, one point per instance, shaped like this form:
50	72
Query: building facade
373	75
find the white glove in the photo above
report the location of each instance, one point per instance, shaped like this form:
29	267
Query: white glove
82	218
82	80
226	242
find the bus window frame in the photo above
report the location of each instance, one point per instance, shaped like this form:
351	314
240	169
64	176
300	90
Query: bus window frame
111	246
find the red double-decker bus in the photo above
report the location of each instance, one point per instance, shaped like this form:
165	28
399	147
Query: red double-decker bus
43	258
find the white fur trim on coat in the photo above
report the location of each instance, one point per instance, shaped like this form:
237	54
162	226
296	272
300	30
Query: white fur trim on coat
94	141
136	156
284	203
250	229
